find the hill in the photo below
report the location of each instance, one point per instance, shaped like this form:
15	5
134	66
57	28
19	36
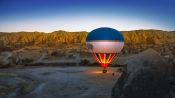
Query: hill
56	38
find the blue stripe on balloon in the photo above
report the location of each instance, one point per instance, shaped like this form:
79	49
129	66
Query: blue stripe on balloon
104	34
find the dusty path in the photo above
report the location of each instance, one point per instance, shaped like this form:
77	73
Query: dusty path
70	82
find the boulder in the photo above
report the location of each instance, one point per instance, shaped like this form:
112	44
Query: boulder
147	75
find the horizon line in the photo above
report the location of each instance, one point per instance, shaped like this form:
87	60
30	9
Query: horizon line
81	31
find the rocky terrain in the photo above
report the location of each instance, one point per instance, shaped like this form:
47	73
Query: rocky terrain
147	75
34	61
75	55
69	48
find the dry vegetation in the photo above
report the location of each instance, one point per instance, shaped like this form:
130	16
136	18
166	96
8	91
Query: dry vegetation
21	39
59	38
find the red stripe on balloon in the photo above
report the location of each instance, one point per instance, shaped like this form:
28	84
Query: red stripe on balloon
101	57
96	57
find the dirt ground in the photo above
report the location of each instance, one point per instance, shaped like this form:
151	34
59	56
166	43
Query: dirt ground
67	82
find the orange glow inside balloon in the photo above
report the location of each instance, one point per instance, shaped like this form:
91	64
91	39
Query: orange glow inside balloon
104	58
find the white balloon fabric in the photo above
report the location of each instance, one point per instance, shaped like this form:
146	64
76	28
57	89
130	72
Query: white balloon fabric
105	46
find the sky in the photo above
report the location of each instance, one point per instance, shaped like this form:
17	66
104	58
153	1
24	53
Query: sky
86	15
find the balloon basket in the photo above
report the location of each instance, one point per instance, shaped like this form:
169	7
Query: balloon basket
104	71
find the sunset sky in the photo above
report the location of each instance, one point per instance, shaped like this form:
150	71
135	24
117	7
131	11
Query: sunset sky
86	15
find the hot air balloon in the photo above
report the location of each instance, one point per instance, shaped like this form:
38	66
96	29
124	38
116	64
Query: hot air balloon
105	44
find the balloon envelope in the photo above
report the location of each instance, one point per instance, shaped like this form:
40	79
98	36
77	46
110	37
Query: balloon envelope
105	43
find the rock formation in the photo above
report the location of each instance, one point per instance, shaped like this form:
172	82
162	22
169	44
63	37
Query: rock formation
147	75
